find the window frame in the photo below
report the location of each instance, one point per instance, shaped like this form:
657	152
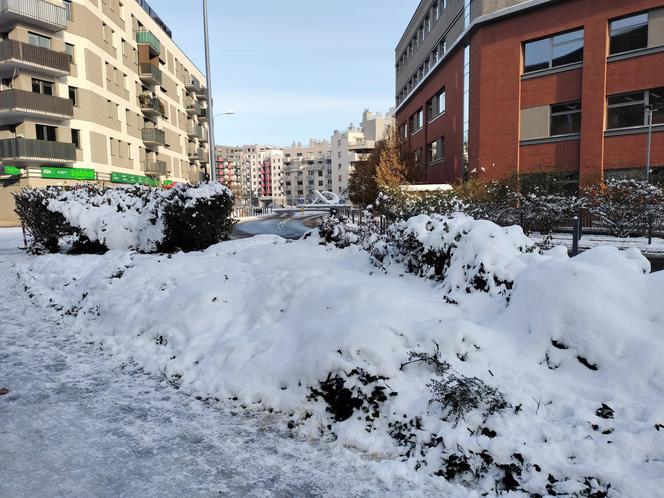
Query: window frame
39	38
555	114
635	26
552	45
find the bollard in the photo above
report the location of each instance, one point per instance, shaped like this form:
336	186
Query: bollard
576	223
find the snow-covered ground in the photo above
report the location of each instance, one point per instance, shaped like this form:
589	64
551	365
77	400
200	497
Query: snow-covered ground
320	335
78	421
588	241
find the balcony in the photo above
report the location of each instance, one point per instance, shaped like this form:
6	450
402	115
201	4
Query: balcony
203	115
156	168
149	74
38	13
201	93
151	106
153	137
27	149
193	107
202	134
18	104
15	55
195	176
203	155
146	37
193	85
192	153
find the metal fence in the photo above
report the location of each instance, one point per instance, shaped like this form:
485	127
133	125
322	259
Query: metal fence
246	212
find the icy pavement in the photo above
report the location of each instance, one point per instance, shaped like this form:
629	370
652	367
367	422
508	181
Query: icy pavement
78	423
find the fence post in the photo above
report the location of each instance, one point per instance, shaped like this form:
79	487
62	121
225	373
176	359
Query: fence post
25	240
576	223
650	224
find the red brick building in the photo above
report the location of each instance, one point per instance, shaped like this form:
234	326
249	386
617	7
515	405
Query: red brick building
559	89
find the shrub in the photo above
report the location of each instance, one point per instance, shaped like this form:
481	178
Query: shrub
397	204
45	228
195	219
623	207
544	212
495	200
92	218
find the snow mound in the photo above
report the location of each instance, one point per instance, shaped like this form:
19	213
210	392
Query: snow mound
557	392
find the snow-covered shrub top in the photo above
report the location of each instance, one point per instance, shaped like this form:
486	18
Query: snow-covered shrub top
137	217
464	254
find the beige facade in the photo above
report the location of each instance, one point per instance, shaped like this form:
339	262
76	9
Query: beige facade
307	168
95	85
354	145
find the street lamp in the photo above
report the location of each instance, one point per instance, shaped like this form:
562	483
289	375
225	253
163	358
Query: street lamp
208	78
225	113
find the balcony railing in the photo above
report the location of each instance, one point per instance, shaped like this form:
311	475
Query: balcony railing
193	85
149	73
193	107
203	115
23	55
203	155
14	103
156	168
151	106
192	153
201	134
41	13
153	136
195	176
147	37
27	149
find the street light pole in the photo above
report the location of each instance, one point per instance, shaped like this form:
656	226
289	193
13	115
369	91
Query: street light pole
208	78
649	110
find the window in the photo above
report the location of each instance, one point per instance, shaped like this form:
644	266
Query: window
69	50
44	132
41	86
73	95
436	150
565	119
67	5
39	40
555	51
417	121
76	138
629	109
436	105
629	33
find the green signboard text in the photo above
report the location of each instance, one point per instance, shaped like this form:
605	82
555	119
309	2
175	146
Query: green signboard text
68	173
133	179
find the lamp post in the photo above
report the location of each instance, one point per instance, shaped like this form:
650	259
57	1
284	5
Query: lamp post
208	78
213	156
649	111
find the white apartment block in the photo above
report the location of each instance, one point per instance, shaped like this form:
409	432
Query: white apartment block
229	169
262	171
95	90
307	169
355	144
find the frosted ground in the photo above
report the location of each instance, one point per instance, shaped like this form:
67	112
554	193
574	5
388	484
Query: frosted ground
268	327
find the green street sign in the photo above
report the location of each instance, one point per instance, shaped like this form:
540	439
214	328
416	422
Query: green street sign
133	179
167	182
68	173
12	171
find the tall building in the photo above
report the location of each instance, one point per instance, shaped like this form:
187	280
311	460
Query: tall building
354	145
261	170
551	89
307	168
95	90
229	168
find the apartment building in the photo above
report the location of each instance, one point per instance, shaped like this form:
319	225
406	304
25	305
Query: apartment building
356	144
261	170
229	168
307	168
95	90
551	90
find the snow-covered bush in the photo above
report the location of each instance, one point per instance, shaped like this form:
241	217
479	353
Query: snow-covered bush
495	200
398	204
449	249
45	228
136	218
623	207
543	212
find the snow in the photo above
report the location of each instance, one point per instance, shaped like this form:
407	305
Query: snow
10	240
128	218
591	240
258	322
78	421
